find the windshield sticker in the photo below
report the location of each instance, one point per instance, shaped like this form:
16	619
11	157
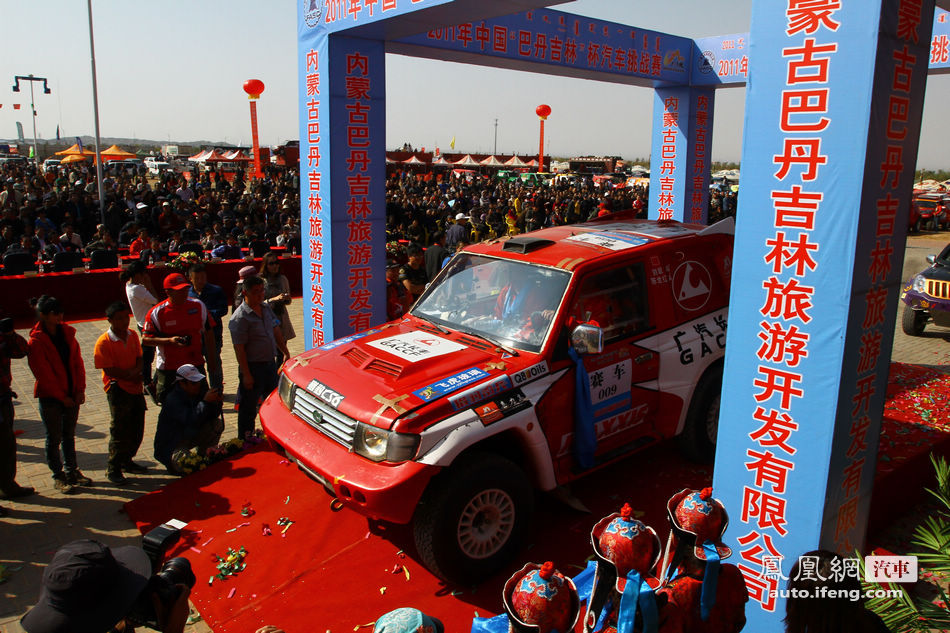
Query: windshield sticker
610	240
450	384
610	389
326	394
530	373
348	339
482	392
416	346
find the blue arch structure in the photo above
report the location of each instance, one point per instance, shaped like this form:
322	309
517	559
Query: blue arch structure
835	93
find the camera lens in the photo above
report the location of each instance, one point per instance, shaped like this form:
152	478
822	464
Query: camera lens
177	571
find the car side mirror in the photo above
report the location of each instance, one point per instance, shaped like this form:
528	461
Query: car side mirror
587	339
931	259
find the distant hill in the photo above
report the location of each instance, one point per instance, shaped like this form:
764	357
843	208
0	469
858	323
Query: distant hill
47	147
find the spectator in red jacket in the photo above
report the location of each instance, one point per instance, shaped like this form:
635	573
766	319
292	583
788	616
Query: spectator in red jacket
56	363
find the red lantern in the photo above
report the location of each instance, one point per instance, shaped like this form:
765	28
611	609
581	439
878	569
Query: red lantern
543	111
254	88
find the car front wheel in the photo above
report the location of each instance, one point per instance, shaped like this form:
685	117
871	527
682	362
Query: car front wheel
698	439
472	519
913	321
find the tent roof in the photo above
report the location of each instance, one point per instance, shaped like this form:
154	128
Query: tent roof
514	161
74	151
116	153
491	161
467	160
412	160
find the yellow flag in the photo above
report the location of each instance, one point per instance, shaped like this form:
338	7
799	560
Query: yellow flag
452	144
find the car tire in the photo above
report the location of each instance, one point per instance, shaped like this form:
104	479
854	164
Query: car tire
913	321
918	225
472	518
698	439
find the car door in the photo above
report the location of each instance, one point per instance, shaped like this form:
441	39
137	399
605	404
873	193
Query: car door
622	379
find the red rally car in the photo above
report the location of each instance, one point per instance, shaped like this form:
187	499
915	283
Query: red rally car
448	417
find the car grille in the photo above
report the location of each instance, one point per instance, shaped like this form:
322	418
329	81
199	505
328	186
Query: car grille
938	289
323	417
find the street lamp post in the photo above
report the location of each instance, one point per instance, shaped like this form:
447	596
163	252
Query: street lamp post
16	88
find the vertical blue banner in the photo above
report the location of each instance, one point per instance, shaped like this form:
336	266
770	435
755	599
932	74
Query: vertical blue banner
342	122
819	238
669	154
699	151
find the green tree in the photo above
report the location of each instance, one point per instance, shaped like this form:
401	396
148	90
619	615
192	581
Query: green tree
913	613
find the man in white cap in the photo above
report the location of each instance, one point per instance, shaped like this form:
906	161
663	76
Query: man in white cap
457	231
187	420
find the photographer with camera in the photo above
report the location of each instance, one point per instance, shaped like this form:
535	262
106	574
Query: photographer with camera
12	345
187	419
90	588
181	330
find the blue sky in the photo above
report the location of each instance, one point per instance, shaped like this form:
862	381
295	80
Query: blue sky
174	69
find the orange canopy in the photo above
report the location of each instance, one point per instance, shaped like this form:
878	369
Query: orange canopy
75	151
73	158
116	153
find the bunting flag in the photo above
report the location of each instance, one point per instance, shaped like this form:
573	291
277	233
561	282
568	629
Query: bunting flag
79	143
16	106
452	144
57	132
31	151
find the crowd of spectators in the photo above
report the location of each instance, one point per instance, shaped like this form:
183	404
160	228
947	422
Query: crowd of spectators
43	213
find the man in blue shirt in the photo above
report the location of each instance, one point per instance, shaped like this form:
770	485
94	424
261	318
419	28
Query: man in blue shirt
213	298
256	335
230	250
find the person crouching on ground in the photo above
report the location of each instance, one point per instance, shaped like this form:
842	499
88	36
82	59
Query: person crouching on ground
118	354
56	363
187	420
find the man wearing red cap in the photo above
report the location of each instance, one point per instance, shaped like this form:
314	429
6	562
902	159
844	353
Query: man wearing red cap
180	329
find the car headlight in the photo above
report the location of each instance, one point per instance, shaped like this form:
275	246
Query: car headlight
285	389
920	284
381	445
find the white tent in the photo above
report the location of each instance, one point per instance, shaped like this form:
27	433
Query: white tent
412	160
491	161
514	161
466	161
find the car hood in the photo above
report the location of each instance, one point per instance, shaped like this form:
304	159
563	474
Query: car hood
385	376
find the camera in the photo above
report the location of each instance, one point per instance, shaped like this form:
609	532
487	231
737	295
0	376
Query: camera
166	576
187	339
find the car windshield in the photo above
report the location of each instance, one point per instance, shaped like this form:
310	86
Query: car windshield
509	302
927	204
944	256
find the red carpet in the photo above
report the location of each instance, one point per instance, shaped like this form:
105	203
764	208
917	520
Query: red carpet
328	572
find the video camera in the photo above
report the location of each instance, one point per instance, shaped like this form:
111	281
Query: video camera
166	575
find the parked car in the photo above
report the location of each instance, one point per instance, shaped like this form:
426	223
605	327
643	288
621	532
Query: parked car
932	211
927	296
51	164
447	418
159	167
